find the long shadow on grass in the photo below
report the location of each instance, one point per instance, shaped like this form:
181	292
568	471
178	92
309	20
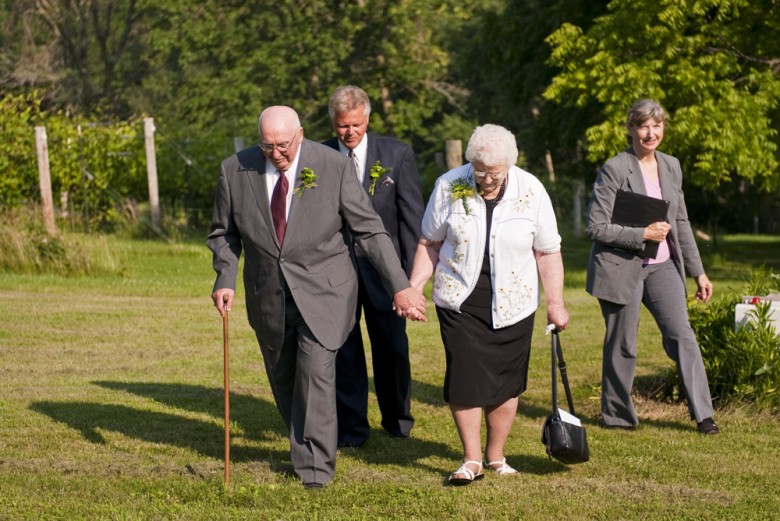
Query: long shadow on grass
381	449
93	418
256	418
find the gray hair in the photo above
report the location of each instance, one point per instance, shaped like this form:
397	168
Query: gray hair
348	98
492	145
643	111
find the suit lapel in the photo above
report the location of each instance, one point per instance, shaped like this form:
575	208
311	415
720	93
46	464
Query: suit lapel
372	153
254	169
668	181
305	160
635	179
665	176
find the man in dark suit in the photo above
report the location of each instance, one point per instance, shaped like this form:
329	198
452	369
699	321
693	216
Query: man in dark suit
288	204
386	168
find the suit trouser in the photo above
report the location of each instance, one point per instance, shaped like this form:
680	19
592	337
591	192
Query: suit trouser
392	375
662	291
302	375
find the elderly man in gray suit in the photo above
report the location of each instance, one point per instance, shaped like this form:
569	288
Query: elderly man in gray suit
288	203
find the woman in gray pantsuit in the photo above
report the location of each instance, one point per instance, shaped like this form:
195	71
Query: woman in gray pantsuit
622	278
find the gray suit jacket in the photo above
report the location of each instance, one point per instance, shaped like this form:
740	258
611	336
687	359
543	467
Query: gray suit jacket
614	263
314	260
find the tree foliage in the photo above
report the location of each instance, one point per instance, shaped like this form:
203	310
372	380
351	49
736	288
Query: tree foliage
504	60
97	164
560	74
712	63
18	167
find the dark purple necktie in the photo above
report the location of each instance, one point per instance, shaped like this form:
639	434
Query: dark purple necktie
279	207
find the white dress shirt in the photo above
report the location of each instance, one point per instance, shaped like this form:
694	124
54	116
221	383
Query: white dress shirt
360	152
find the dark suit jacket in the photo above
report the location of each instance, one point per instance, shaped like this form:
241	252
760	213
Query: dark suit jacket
615	260
314	260
398	201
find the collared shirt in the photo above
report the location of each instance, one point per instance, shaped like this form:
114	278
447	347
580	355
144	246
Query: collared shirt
653	188
272	176
360	152
523	222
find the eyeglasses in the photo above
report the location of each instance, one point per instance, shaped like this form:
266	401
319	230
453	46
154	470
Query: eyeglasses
494	176
282	147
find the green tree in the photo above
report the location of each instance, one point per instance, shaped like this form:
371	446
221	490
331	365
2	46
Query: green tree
18	167
503	59
218	64
713	64
81	52
214	67
205	69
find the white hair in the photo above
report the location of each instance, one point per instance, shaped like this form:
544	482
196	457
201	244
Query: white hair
492	145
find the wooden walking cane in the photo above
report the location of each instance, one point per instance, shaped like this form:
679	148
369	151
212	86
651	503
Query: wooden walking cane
227	390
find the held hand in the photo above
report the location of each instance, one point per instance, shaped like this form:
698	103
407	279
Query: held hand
704	294
223	300
558	316
410	303
657	231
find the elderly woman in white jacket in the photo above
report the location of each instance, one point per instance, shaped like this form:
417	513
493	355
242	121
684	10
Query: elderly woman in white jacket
488	234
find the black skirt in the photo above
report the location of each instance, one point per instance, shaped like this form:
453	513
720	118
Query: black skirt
485	366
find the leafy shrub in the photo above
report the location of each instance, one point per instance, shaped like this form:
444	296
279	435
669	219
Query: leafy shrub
741	364
18	164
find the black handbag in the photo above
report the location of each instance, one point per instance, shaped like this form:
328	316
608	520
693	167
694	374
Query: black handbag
564	438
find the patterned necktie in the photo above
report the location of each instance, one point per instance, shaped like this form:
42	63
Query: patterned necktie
355	160
279	206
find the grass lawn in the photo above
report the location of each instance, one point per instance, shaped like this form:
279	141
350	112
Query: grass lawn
111	406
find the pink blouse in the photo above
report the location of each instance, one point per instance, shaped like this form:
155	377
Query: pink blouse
653	188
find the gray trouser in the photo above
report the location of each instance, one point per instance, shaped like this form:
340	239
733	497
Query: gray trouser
662	291
302	375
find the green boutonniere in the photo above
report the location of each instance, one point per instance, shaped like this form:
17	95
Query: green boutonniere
308	180
375	173
462	189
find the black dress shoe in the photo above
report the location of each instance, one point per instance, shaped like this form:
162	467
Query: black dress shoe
707	426
397	434
313	486
350	444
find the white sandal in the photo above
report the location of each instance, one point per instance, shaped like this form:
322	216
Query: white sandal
504	469
465	471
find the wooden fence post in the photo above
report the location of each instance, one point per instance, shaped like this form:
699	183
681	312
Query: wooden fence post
44	175
151	172
454	153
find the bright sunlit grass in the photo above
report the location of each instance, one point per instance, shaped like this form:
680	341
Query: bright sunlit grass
111	400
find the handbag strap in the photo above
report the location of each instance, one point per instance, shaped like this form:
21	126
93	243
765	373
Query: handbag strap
556	350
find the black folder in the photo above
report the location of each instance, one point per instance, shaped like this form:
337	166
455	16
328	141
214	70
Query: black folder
639	211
